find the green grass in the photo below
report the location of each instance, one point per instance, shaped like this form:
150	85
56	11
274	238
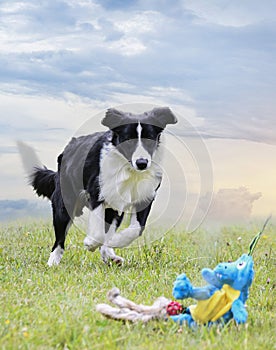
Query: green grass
54	308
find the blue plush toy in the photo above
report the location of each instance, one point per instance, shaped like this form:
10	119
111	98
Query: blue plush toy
224	297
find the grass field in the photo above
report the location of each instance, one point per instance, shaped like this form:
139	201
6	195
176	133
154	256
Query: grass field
54	308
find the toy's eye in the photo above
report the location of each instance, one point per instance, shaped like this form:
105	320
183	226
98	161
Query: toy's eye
241	265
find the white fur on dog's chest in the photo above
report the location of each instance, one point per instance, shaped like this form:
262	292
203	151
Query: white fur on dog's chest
121	186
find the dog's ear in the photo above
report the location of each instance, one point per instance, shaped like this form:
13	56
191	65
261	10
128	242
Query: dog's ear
114	118
161	117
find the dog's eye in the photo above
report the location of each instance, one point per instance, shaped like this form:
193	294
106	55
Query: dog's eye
115	139
241	265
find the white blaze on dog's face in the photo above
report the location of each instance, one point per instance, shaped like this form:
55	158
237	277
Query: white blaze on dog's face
137	137
141	158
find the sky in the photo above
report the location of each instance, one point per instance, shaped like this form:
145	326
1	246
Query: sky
213	63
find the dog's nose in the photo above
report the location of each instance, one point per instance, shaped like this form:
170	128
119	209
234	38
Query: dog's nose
141	163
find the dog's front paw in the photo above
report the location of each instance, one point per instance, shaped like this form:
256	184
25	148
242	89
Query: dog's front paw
108	255
118	260
90	244
182	287
55	256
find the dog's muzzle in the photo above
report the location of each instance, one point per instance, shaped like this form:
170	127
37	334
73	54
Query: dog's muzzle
141	163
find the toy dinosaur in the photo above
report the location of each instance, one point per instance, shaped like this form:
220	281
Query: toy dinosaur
222	299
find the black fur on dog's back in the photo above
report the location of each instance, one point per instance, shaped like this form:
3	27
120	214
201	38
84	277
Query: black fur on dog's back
43	181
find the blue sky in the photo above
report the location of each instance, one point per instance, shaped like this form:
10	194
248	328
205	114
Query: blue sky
213	62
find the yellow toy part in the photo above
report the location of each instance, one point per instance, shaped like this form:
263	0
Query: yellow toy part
216	306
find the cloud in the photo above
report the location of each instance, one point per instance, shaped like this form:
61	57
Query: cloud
231	13
230	205
129	46
22	208
191	52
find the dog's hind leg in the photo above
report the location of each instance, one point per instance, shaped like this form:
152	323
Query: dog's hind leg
61	222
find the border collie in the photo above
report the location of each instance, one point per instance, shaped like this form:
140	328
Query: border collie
110	173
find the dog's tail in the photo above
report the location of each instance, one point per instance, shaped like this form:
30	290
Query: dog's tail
41	178
43	181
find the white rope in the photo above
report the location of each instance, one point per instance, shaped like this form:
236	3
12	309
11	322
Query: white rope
129	311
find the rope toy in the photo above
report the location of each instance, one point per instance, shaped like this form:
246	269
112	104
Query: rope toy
129	311
221	300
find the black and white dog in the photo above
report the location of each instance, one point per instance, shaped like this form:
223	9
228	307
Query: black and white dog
111	173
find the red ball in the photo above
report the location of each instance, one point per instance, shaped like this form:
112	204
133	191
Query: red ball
174	308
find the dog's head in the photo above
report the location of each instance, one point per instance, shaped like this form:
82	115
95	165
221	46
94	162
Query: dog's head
137	137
